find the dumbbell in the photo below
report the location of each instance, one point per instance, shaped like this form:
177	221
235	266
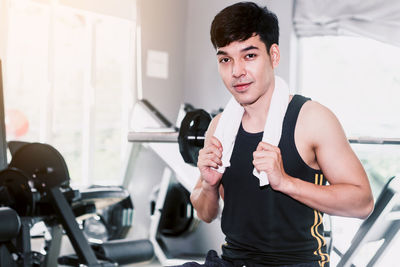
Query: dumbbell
190	135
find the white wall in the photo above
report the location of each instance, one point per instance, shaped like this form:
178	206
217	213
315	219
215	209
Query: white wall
181	28
203	86
163	24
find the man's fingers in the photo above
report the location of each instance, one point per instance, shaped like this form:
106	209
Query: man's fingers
213	157
211	149
214	141
265	163
209	156
262	154
209	162
263	167
267	146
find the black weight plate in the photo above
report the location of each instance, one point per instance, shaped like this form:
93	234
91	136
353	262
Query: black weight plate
13	146
194	124
21	196
177	212
43	164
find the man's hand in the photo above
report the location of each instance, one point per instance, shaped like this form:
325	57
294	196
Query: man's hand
268	158
209	160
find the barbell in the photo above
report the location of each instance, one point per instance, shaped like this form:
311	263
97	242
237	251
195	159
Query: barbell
191	134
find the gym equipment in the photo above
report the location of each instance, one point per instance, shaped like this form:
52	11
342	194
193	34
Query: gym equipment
177	212
120	251
112	204
156	114
190	136
174	225
114	210
14	146
43	163
16	192
374	140
3	142
10	224
166	135
382	224
176	233
36	185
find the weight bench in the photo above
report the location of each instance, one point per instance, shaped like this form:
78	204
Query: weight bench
36	186
10	225
382	224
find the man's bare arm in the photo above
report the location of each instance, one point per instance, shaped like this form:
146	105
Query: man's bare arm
348	193
205	195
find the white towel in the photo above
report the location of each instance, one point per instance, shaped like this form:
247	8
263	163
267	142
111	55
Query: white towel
231	118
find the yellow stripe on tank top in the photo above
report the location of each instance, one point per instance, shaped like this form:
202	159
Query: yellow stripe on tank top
314	232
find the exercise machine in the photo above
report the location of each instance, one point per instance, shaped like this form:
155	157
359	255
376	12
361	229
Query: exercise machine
36	186
176	233
382	225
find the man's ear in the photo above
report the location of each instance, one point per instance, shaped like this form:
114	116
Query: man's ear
275	55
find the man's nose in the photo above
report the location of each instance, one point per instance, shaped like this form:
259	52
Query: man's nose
238	69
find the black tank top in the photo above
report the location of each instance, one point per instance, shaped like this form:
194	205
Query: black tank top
266	226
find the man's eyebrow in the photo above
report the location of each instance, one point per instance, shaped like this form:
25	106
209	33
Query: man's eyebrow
220	52
251	47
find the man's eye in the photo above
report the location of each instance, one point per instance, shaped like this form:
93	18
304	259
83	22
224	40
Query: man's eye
224	60
251	55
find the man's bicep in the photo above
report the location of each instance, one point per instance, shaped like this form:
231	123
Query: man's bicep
334	154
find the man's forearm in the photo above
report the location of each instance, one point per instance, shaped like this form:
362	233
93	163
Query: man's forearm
339	199
205	200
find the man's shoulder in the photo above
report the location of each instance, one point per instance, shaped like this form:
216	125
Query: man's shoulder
317	121
313	110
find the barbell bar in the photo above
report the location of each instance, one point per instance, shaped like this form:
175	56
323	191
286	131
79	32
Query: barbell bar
172	137
158	137
191	135
374	140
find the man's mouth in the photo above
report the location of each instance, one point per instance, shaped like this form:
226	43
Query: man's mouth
241	86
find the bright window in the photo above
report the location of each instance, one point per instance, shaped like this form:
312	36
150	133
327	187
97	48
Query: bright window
69	73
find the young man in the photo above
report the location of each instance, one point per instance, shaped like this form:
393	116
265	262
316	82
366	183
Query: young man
279	224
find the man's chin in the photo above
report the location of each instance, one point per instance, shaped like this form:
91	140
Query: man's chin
245	101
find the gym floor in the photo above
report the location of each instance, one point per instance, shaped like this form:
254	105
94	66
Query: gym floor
153	263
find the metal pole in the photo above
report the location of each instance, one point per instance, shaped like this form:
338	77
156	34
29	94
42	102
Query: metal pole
3	141
78	240
165	136
374	140
153	137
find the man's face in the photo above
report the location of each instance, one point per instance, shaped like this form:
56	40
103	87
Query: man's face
246	68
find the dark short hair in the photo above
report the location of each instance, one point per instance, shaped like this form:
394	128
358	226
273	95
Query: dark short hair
243	20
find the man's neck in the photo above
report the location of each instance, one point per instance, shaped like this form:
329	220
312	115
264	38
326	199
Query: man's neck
255	115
